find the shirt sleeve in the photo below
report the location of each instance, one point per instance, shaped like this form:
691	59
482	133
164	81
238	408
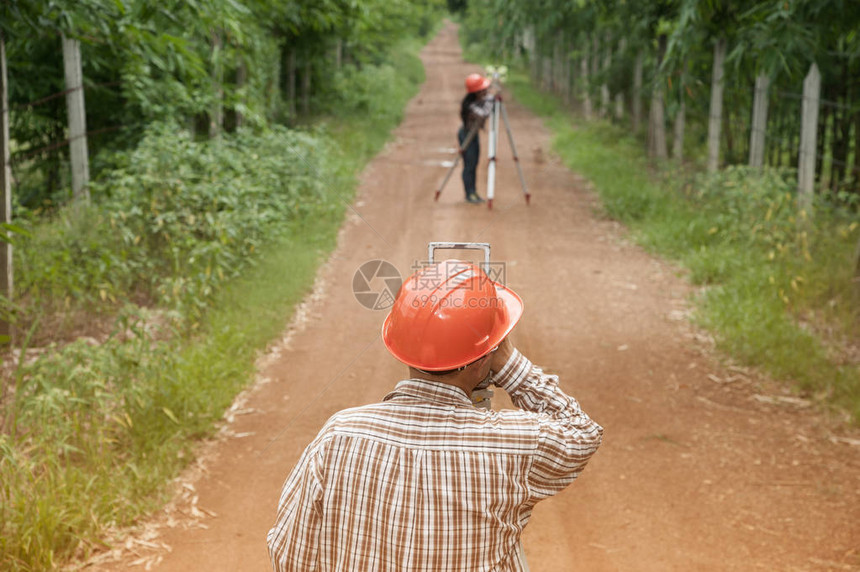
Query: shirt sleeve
479	111
294	539
483	108
567	436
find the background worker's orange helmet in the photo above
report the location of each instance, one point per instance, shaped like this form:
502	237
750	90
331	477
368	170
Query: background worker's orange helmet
448	315
476	82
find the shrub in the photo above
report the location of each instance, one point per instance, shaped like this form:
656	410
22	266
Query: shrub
173	220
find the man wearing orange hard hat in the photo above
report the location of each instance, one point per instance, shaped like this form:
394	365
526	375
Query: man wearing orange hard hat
426	481
476	107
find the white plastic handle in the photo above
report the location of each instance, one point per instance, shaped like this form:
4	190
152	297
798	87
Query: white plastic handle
485	246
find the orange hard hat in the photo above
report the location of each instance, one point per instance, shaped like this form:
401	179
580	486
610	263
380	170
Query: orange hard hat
476	82
448	315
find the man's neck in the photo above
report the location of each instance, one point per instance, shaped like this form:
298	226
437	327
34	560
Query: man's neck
462	379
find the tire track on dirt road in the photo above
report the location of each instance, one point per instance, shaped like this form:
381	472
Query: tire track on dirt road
694	473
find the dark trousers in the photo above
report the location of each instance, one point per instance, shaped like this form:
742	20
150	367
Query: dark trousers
471	154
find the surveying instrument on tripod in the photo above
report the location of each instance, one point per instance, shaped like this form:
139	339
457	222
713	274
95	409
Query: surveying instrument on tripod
498	111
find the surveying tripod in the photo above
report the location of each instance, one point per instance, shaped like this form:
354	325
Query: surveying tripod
498	111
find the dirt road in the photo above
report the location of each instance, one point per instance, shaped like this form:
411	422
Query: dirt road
703	467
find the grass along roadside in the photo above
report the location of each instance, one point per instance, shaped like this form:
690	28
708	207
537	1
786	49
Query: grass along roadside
123	423
777	289
95	431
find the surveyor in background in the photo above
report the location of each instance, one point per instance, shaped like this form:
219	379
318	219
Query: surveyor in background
425	481
475	108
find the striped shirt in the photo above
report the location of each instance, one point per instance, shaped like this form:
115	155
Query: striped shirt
424	481
476	113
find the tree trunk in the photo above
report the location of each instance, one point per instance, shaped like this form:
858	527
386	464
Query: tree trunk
789	141
842	132
54	177
657	127
744	139
637	93
241	79
573	64
546	68
605	96
759	121
857	264
794	132
527	51
586	92
619	97
781	140
774	147
291	84
716	109
678	132
78	153
306	89
821	140
568	76
595	60
557	67
532	48
857	153
546	82
6	190
730	140
680	119
216	115
657	120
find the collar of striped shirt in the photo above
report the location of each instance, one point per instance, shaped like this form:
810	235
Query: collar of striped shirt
429	391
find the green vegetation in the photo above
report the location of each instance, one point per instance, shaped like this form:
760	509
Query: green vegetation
777	284
176	219
187	263
696	73
209	66
97	430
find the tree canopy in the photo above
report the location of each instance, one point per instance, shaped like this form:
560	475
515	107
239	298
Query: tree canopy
178	60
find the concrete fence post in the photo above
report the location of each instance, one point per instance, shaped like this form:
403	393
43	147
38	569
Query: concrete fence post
77	118
808	137
637	93
5	187
759	121
715	115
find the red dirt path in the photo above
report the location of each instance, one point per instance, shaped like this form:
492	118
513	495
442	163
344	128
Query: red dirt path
703	467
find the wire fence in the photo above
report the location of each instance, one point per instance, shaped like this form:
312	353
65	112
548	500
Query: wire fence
586	82
40	173
56	95
21	157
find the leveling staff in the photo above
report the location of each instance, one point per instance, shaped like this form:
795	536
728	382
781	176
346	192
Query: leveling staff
425	481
